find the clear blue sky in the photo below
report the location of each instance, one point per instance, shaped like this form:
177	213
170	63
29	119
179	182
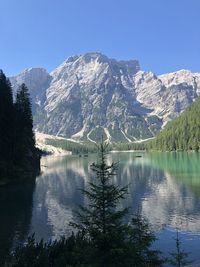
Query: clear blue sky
164	35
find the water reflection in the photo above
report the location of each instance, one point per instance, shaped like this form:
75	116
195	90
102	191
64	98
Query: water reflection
184	167
177	198
165	187
57	195
160	185
16	202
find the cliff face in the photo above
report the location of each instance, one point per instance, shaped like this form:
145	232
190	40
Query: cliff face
90	95
37	80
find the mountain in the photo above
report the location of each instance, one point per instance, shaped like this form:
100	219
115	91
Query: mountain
182	133
91	95
37	80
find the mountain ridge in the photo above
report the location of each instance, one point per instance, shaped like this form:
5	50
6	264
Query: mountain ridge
89	95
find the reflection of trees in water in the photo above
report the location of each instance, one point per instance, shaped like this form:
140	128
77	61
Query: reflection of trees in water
165	186
57	193
176	199
184	167
176	162
160	197
163	192
16	203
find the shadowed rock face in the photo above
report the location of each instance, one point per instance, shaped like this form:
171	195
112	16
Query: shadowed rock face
90	94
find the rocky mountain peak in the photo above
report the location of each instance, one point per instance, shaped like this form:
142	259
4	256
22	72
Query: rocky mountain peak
37	80
178	77
89	95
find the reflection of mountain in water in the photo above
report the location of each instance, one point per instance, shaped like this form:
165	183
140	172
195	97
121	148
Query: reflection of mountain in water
155	187
173	204
164	186
16	210
183	166
57	195
176	199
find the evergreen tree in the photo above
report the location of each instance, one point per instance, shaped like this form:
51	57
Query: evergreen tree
24	135
113	243
101	222
179	257
140	239
103	238
6	119
182	133
17	142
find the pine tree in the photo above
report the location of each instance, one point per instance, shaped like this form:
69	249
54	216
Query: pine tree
141	239
182	133
101	222
112	241
17	142
24	135
179	257
6	119
103	238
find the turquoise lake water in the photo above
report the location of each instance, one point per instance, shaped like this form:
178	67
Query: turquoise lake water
165	187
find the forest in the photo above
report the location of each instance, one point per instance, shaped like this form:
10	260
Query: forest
86	147
18	156
181	134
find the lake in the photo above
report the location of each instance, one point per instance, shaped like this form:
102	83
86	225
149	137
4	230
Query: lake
165	187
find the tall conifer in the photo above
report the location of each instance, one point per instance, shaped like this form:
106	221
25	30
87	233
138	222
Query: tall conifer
24	135
112	241
6	119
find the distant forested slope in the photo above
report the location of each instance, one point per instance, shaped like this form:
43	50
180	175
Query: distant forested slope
181	134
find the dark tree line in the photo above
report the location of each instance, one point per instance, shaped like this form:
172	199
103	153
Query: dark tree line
18	153
89	147
75	148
